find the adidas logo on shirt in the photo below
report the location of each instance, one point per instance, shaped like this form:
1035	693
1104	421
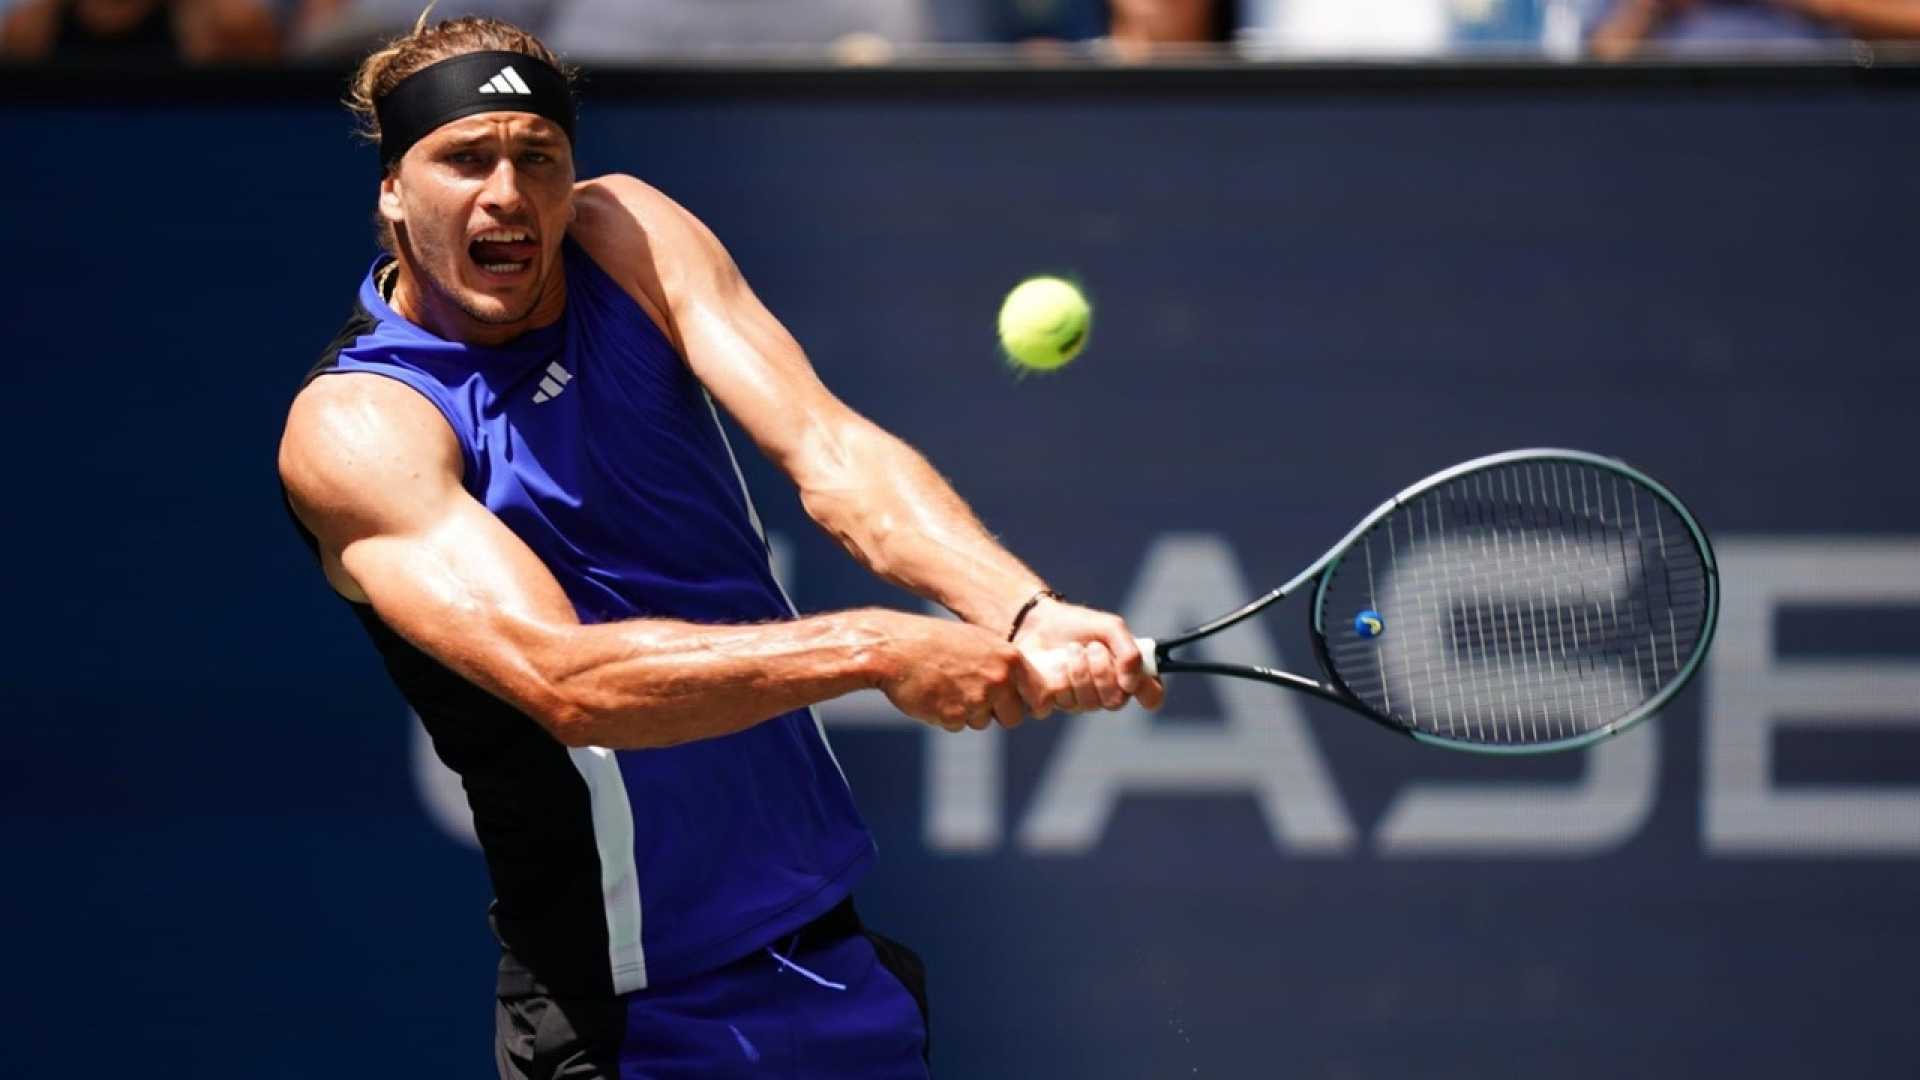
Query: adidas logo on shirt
554	381
508	81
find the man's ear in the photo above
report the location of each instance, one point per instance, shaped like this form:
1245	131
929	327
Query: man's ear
390	207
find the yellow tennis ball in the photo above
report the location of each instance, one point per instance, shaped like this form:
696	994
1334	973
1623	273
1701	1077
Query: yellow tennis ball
1044	323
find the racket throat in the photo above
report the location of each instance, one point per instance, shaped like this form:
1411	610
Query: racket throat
1155	663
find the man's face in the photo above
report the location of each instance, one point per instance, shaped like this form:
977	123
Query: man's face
479	208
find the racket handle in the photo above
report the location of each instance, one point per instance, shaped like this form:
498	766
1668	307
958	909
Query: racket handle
1149	657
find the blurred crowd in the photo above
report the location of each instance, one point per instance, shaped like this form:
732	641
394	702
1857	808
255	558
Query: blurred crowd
868	31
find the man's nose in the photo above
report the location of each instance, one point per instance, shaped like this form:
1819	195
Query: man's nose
502	190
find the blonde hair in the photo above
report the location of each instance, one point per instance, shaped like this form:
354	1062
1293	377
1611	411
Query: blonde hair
424	46
421	48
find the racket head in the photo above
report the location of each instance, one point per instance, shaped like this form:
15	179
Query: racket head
1525	602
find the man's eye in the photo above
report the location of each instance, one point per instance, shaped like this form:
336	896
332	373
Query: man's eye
537	157
463	157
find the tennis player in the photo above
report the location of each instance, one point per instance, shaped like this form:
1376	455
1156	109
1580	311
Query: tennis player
510	462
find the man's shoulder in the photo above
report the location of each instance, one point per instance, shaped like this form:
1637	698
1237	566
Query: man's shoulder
350	437
625	210
616	199
366	410
644	239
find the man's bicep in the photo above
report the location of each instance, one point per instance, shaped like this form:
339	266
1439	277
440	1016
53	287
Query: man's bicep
467	591
373	472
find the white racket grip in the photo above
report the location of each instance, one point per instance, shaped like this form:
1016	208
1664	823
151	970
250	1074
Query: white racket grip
1149	657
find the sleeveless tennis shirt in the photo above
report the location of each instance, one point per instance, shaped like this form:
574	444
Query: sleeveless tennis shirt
614	870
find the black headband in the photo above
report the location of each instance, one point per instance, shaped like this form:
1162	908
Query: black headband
463	85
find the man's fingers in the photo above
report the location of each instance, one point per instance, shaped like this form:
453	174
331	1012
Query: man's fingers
980	716
1064	698
1034	691
1008	708
1152	693
1106	679
1053	674
1080	675
1127	661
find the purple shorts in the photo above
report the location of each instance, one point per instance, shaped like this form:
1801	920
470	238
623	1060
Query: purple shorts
836	1001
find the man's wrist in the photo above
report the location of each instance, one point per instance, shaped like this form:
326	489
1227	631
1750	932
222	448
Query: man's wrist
870	644
1039	596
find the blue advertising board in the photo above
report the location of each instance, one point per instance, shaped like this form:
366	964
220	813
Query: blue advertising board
229	854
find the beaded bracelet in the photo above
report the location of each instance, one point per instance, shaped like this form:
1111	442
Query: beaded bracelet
1021	616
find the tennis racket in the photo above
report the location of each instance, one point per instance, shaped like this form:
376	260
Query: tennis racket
1523	602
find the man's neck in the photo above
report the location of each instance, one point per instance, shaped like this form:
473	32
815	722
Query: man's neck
424	306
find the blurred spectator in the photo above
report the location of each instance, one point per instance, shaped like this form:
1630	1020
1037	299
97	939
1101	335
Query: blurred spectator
1626	27
349	29
1406	28
589	30
1140	26
195	31
1133	28
1348	27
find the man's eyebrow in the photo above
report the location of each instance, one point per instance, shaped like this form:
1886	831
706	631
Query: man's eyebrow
465	142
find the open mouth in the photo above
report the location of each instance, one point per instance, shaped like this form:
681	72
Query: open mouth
504	252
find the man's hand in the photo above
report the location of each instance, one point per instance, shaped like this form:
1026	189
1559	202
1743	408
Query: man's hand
1086	659
955	675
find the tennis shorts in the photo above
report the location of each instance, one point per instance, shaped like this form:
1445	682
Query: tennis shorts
834	1001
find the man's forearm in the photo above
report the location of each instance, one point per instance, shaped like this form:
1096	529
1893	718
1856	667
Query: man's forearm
901	519
652	683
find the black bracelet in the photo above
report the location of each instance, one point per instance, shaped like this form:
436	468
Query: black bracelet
1021	615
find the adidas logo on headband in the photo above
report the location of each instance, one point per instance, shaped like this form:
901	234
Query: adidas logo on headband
443	92
508	81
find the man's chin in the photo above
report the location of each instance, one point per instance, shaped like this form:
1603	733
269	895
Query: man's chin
494	313
495	310
488	302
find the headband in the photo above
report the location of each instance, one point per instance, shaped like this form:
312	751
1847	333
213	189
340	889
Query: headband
463	85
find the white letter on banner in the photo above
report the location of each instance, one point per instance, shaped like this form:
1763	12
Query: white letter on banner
1751	693
1262	748
1596	813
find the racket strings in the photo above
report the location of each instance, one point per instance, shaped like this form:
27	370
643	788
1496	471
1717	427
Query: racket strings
1520	604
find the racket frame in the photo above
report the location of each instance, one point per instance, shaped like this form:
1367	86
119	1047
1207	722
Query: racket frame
1158	651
